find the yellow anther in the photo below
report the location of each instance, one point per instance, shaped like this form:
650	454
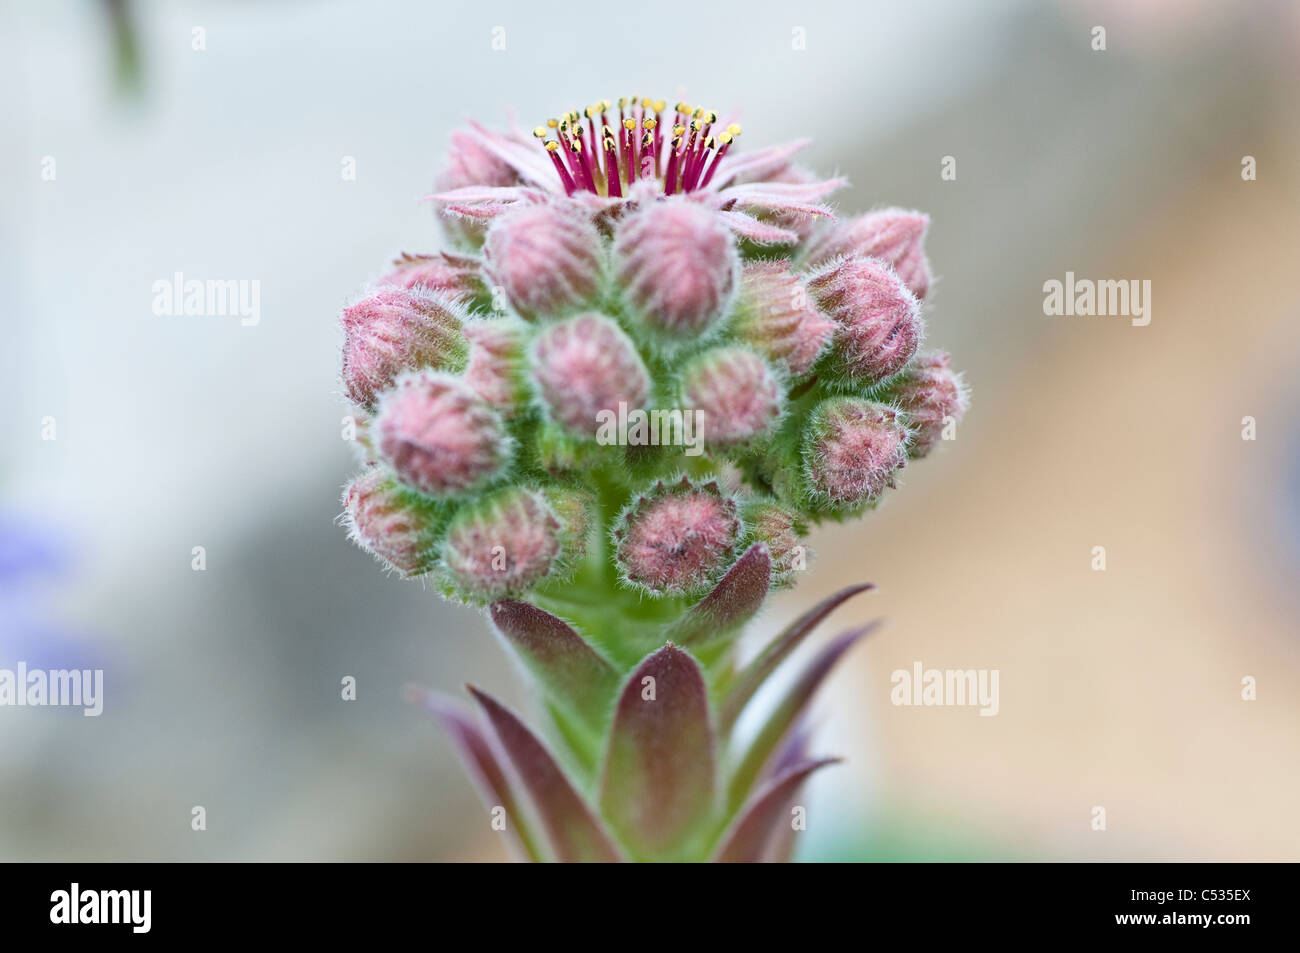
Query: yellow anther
659	105
734	129
552	145
552	123
540	132
679	130
649	123
629	124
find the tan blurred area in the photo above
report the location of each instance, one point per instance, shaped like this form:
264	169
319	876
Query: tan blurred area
1119	688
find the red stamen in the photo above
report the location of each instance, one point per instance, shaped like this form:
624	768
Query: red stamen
726	144
670	178
552	149
615	189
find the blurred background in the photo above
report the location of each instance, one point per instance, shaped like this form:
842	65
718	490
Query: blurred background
129	154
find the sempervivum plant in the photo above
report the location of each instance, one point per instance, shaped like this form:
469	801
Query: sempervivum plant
610	416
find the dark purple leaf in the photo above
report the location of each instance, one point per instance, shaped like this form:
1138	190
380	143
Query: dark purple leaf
749	681
760	821
570	669
731	603
791	706
575	834
480	762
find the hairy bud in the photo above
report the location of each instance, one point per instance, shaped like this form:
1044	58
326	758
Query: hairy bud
776	315
676	265
677	538
392	330
502	545
741	399
879	318
585	365
852	450
893	235
396	525
469	163
930	393
783	531
547	258
455	274
496	369
440	437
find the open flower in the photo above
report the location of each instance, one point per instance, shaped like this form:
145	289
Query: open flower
600	155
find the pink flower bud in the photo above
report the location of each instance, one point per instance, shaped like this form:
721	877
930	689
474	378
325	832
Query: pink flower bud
585	365
879	318
853	449
439	436
547	258
776	315
469	162
573	510
737	392
496	362
894	235
502	545
391	522
392	330
456	274
677	266
929	392
677	539
782	531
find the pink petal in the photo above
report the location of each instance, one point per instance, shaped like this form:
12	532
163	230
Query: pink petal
746	226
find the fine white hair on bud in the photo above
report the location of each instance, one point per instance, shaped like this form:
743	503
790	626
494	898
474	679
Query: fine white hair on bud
737	393
676	266
548	258
585	366
878	318
440	437
853	450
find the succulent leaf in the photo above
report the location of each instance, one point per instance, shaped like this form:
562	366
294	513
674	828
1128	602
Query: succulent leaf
658	786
